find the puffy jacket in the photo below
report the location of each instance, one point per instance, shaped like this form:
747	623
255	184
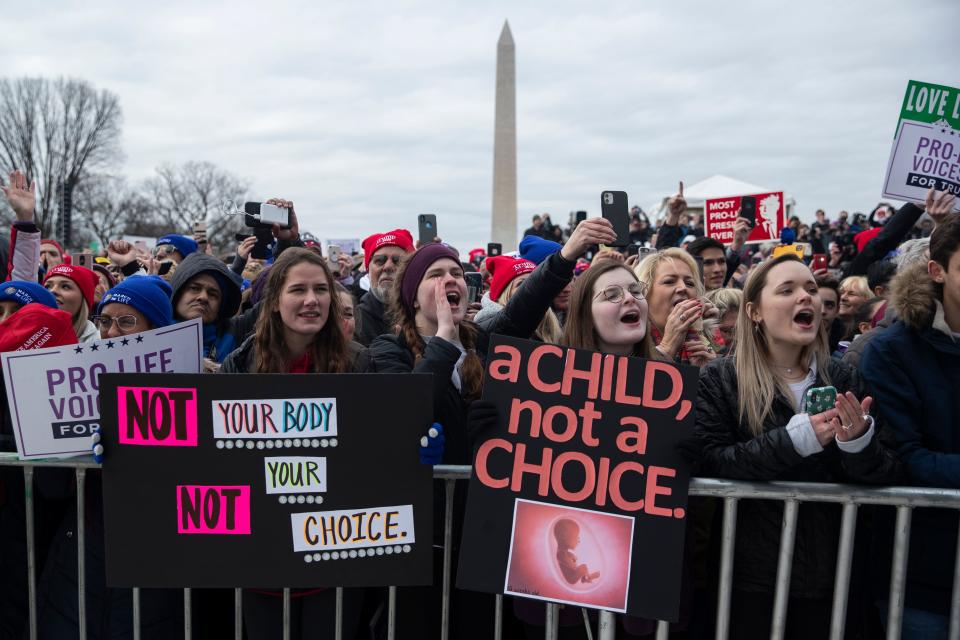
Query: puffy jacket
519	319
728	449
913	371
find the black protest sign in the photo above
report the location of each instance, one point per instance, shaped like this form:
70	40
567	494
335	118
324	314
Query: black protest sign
580	496
266	480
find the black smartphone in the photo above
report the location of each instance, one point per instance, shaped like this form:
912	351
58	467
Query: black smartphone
748	209
633	250
427	225
494	249
164	267
262	248
581	216
474	285
613	205
240	237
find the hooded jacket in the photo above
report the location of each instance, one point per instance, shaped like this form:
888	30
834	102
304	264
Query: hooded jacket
913	372
728	449
223	336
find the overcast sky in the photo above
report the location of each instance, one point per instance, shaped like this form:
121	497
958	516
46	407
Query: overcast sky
368	113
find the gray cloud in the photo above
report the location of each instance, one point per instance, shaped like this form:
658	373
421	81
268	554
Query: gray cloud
367	114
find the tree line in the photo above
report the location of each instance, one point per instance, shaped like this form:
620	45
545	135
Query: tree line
64	134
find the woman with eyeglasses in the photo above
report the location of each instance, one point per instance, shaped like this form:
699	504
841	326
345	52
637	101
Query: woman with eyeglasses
139	303
430	304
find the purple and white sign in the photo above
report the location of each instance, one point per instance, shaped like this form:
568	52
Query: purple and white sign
54	394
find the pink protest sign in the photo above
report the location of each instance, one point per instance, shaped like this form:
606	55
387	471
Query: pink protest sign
720	214
157	416
213	509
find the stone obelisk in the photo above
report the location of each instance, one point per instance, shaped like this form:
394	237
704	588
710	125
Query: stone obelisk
504	218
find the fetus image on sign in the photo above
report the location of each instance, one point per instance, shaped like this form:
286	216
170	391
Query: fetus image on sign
567	534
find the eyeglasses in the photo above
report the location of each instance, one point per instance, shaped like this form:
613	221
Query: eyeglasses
164	250
126	324
615	293
382	260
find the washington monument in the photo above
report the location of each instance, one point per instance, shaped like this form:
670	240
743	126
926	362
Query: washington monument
504	218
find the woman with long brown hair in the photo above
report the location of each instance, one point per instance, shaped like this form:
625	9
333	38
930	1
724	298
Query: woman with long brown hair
756	422
299	330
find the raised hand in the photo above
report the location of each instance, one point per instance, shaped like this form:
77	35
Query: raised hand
446	329
588	233
245	248
852	415
121	252
939	206
22	198
293	231
741	231
676	206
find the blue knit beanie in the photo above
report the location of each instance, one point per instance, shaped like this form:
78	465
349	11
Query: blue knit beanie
26	292
150	295
185	245
536	249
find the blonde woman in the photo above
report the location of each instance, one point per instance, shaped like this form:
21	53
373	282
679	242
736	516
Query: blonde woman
676	317
727	302
753	424
854	291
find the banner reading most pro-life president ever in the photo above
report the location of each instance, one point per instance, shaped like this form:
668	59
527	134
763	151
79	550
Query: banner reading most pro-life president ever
266	480
580	495
926	145
54	393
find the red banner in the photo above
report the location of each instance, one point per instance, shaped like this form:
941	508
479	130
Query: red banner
719	215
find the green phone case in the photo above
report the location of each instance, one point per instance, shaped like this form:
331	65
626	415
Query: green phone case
819	399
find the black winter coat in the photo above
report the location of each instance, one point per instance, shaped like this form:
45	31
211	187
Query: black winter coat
730	450
371	319
520	318
241	360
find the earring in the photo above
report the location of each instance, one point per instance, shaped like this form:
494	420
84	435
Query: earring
756	327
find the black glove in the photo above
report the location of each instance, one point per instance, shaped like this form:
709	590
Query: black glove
482	420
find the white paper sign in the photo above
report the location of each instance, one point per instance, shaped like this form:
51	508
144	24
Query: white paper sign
54	395
353	528
926	147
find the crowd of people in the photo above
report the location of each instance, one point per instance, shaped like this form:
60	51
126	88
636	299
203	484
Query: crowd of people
878	320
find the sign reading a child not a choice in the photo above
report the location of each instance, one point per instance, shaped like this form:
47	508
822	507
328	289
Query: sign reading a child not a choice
926	145
579	495
720	214
255	480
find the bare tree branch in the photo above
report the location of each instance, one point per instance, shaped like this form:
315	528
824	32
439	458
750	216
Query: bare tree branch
56	132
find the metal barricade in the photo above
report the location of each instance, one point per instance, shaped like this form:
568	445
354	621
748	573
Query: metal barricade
905	499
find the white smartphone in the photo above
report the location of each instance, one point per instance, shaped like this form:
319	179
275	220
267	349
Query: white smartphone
333	254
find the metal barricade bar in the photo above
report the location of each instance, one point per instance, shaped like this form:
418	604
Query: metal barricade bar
841	586
725	588
31	551
81	554
905	499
